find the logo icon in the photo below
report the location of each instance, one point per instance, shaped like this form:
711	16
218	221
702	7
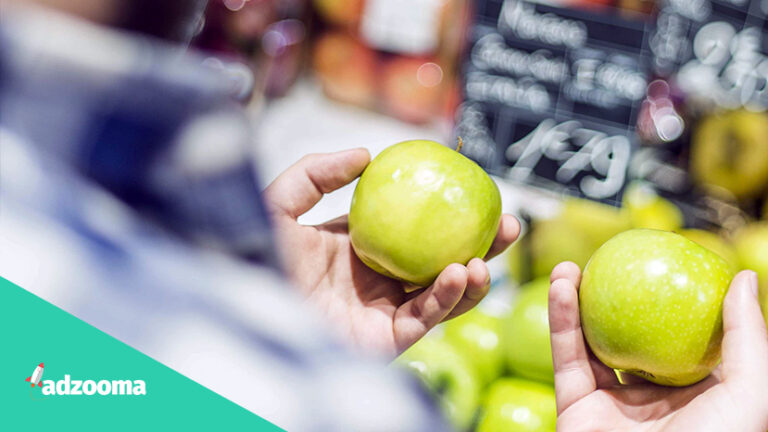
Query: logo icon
37	376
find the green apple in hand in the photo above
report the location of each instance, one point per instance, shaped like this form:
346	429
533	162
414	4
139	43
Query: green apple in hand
526	333
651	305
751	244
477	335
517	405
447	375
420	206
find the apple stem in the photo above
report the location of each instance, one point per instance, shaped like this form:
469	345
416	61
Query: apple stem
460	145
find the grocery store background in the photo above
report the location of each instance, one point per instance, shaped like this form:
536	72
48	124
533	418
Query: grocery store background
593	116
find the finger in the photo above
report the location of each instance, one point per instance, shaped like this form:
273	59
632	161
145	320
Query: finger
478	284
418	315
509	230
604	376
301	186
568	271
574	378
745	343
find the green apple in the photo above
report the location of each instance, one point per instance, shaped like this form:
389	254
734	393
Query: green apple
751	244
517	405
715	243
477	335
548	248
648	210
599	222
586	224
420	206
651	305
447	375
730	151
526	333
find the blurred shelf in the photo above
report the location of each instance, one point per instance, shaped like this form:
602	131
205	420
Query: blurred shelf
306	122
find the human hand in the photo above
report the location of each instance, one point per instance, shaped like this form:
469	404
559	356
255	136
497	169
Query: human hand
590	398
371	310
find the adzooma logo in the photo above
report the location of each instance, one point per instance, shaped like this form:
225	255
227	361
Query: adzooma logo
75	387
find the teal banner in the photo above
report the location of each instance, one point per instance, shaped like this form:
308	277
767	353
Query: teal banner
59	373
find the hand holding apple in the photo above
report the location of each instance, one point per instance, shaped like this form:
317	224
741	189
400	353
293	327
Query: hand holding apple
371	310
589	396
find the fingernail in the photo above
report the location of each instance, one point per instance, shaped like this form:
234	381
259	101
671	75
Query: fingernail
752	281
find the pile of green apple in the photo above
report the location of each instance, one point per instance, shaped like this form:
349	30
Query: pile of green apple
492	370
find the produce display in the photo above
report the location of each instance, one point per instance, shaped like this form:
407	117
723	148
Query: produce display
526	331
448	375
477	335
513	404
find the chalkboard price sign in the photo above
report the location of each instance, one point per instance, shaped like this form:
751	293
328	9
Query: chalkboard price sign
552	94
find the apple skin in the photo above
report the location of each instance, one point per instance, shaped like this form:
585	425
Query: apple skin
517	405
716	244
651	305
420	206
526	333
649	210
477	335
586	224
447	375
548	248
598	221
730	151
751	243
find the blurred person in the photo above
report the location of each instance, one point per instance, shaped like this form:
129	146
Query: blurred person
590	398
127	187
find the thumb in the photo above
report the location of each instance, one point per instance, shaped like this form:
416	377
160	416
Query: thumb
301	186
745	342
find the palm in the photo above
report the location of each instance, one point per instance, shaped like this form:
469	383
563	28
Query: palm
370	310
647	407
369	301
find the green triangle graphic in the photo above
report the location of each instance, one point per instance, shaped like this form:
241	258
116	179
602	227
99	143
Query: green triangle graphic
34	331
